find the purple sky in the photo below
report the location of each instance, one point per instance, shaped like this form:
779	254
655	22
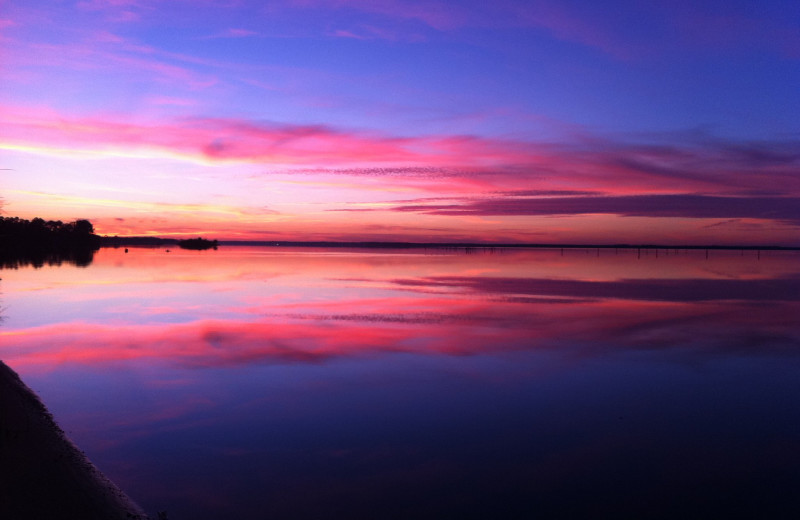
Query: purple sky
388	120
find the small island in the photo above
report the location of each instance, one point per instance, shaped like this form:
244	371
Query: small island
198	244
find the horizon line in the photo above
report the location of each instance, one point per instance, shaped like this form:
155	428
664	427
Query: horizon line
110	241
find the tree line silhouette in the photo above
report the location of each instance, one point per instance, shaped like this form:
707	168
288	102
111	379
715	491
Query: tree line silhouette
38	242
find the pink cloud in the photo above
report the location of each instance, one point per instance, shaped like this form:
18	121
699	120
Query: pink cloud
171	101
111	54
233	33
108	4
237	140
240	33
459	164
612	30
116	11
107	37
449	16
347	34
566	25
439	15
373	32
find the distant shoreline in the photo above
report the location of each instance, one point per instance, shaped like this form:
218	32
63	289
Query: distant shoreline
156	242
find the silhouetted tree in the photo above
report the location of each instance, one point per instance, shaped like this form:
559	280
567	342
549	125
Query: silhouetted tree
84	227
38	242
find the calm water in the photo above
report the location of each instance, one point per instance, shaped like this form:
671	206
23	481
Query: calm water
309	383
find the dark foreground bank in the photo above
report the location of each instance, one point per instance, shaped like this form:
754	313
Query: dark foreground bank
43	474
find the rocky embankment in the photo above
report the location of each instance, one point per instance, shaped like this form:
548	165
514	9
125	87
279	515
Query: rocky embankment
42	474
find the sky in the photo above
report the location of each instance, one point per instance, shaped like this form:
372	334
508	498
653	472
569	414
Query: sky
542	121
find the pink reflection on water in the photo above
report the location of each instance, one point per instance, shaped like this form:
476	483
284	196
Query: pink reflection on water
309	337
244	305
272	366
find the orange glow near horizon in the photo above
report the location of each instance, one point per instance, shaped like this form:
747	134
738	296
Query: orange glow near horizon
434	188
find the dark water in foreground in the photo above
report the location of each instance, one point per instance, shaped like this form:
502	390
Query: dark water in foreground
277	383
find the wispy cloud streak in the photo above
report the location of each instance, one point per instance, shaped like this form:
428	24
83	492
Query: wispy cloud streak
611	166
785	209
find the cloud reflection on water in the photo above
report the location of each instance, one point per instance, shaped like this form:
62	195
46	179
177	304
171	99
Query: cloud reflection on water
292	383
469	305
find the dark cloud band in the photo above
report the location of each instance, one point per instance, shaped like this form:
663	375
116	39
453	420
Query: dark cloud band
785	209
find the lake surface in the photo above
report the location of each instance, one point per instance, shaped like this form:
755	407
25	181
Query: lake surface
332	383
